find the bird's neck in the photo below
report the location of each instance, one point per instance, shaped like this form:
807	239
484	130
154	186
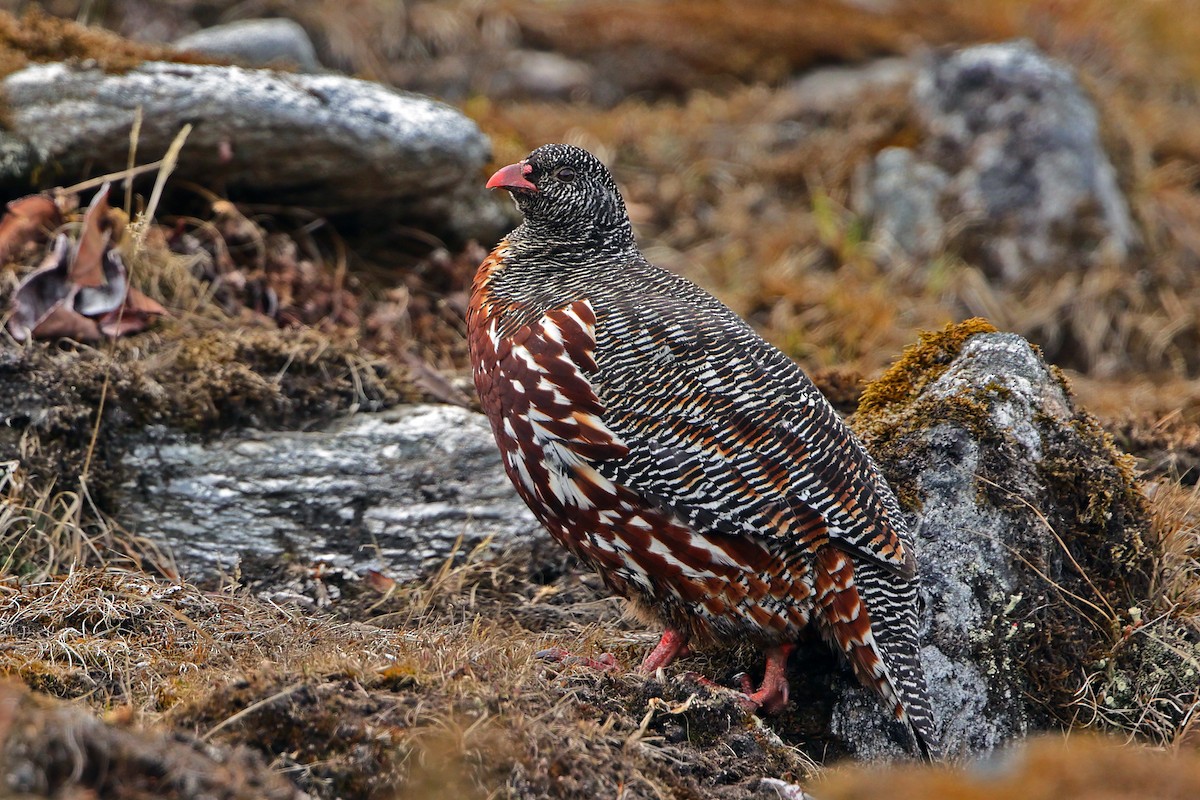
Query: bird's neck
578	241
531	271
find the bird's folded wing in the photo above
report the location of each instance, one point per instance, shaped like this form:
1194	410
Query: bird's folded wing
731	436
687	470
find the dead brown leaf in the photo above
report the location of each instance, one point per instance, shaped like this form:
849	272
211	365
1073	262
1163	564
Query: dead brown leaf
42	291
135	316
87	267
27	221
82	292
63	322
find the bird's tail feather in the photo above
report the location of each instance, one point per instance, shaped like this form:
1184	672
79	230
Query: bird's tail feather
870	618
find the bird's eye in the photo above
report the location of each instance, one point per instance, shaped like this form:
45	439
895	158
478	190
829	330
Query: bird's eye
564	174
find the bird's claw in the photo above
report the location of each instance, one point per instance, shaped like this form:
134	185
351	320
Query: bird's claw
769	699
742	697
606	662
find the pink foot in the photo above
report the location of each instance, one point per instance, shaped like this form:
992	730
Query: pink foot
772	696
671	646
605	663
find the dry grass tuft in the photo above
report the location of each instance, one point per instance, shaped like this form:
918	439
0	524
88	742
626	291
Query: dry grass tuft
62	750
447	699
1176	589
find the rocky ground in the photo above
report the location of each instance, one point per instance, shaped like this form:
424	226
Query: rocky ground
255	541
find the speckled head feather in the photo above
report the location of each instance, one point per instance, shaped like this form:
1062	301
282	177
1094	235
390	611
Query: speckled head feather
567	196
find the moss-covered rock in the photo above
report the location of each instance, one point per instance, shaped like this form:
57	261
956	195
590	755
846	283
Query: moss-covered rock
1031	532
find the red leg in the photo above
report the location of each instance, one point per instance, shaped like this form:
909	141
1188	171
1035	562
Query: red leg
772	695
672	645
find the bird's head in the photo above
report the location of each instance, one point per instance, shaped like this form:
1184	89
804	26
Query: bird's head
565	190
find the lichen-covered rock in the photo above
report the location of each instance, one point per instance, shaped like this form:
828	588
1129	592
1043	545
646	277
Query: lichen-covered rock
1012	155
325	141
394	491
1029	531
907	196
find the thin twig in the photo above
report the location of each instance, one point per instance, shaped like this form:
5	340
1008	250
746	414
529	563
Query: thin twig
135	133
133	172
168	166
1112	614
1066	592
91	449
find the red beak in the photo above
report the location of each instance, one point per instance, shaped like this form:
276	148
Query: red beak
512	177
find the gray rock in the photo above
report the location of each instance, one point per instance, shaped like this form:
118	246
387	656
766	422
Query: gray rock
537	74
17	158
1030	184
256	42
827	90
392	491
1000	464
906	198
324	141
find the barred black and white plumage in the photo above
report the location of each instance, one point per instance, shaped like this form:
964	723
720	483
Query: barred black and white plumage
661	440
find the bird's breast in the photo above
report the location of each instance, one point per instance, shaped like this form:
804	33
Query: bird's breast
534	373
